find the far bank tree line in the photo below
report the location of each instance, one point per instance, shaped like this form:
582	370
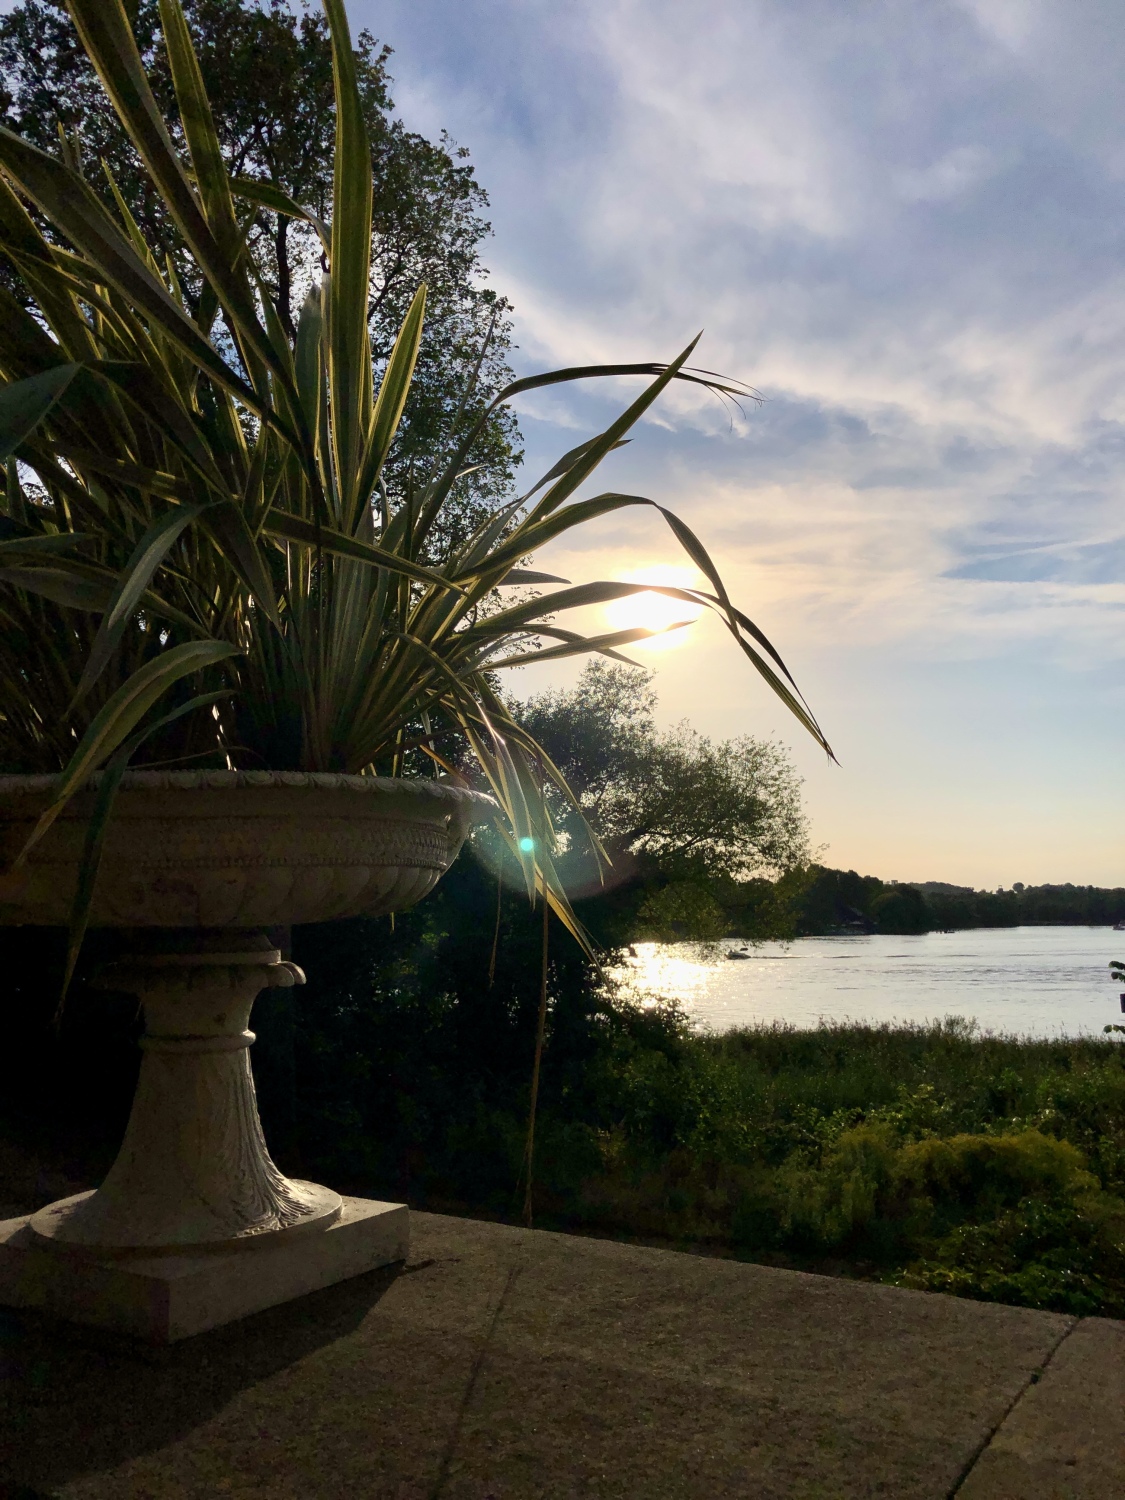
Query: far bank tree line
840	900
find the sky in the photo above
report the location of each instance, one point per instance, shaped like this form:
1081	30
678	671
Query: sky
903	223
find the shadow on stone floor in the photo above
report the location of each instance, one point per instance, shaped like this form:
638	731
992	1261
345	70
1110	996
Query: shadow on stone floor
75	1401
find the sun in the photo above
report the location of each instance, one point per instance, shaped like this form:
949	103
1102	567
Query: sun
656	611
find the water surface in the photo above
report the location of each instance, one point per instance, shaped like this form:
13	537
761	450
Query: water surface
1030	981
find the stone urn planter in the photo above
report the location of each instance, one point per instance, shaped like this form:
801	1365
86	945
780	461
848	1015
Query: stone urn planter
196	867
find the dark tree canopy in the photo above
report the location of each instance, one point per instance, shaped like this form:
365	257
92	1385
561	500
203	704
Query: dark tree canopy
673	800
268	72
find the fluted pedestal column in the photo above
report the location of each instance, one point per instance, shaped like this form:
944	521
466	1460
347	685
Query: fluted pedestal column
194	1225
193	1172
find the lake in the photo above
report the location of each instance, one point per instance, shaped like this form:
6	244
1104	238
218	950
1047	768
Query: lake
1028	981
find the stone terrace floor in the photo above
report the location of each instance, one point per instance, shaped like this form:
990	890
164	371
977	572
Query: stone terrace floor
500	1363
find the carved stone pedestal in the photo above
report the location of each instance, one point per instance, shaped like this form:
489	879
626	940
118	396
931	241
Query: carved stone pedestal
193	1172
194	1225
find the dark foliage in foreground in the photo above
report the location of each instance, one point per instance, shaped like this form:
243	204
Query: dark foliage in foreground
929	1156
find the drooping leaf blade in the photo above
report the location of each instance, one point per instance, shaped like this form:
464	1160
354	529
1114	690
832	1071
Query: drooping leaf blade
120	715
26	403
267	195
136	576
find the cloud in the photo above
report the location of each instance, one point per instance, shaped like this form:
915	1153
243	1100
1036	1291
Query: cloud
902	223
952	175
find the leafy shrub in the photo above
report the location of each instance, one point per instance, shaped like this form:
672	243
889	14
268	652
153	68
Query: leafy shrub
967	1177
1066	1256
839	1201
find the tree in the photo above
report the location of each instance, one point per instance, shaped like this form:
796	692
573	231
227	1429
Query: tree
671	803
268	72
902	909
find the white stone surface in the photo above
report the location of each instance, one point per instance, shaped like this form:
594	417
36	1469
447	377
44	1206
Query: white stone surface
165	1298
199	853
193	1171
235	848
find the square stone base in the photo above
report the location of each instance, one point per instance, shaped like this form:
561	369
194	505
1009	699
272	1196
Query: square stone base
167	1297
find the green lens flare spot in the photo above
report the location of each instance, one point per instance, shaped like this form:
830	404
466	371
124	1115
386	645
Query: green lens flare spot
526	846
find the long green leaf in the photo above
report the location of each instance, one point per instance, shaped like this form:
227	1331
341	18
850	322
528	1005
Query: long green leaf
34	545
25	403
325	538
580	596
349	347
393	392
525	576
136	576
60	586
267	195
120	715
587	644
308	361
199	131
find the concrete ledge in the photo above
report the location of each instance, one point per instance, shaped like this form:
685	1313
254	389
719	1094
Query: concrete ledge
164	1298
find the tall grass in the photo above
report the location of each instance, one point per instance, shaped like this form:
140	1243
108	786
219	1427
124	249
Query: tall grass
926	1155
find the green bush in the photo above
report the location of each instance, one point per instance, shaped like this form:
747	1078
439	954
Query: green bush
967	1177
1066	1256
837	1202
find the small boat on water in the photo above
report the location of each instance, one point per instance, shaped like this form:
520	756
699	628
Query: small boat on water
738	953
